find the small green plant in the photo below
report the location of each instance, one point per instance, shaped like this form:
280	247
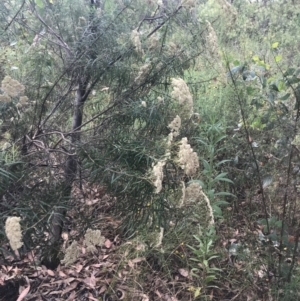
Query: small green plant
203	255
212	137
289	290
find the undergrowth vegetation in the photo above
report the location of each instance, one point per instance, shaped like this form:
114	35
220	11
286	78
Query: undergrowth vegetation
149	150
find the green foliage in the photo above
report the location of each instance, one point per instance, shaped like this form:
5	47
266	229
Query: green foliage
240	64
204	255
213	179
290	290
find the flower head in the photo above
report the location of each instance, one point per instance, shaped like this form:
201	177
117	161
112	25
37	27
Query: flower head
135	39
175	125
188	159
182	94
72	253
158	175
13	232
12	87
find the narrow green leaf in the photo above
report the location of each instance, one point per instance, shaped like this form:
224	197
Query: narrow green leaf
202	142
221	202
221	175
223	162
217	210
285	97
224	193
224	180
209	278
206	164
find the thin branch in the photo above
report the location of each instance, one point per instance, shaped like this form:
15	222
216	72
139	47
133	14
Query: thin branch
15	16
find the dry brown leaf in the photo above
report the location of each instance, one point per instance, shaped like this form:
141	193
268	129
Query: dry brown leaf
102	289
138	259
69	280
108	244
92	298
183	272
30	256
130	264
48	284
168	298
25	291
144	297
50	273
70	288
7	268
16	271
55	293
62	274
72	296
90	281
79	268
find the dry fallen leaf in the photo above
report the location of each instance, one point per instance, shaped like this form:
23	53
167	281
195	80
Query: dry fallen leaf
108	243
68	280
102	289
138	259
92	298
144	297
62	274
131	264
25	291
50	273
90	281
72	296
79	268
69	288
183	272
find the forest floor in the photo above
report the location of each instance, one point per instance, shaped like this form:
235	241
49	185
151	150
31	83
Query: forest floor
129	269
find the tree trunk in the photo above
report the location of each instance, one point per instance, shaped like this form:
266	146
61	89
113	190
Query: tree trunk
71	163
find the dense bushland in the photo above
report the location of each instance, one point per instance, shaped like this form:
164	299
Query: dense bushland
176	121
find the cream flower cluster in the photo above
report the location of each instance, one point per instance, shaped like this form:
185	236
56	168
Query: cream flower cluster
158	175
175	125
12	87
93	238
212	39
71	254
182	93
194	193
13	232
188	159
143	72
135	39
229	10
